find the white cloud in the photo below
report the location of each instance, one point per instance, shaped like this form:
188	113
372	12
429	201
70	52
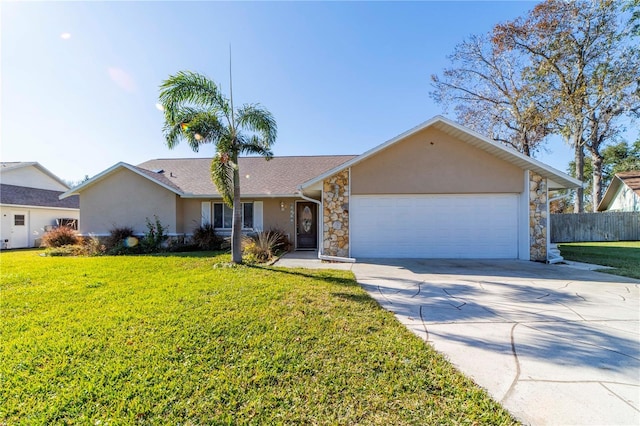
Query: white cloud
122	79
65	36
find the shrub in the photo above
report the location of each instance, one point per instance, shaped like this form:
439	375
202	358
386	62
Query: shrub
60	236
91	246
204	236
118	235
282	244
65	250
121	240
155	236
263	246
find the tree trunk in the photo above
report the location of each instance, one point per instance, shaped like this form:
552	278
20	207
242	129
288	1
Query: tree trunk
236	227
597	160
526	149
578	207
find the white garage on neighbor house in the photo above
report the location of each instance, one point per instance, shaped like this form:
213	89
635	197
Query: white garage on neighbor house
30	204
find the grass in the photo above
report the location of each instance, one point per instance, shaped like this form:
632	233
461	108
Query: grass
623	256
183	339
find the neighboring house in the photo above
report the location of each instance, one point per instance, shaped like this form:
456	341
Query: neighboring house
623	194
30	203
438	190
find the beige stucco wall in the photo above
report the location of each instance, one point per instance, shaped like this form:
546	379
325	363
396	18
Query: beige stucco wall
125	199
433	162
189	209
272	215
275	218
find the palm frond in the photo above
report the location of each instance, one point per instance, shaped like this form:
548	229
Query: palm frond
204	127
193	125
255	118
222	176
186	88
254	145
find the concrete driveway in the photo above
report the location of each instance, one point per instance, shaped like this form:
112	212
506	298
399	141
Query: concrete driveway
553	344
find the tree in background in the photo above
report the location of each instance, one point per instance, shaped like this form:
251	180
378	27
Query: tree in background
620	157
490	93
634	21
195	111
581	54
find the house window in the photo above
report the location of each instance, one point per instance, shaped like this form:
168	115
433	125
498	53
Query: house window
18	220
223	216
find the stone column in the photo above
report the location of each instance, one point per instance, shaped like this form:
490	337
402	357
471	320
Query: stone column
335	217
538	221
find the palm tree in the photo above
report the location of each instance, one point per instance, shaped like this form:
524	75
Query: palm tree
196	111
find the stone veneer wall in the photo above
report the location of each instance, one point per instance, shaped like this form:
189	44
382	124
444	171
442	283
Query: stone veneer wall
538	221
335	217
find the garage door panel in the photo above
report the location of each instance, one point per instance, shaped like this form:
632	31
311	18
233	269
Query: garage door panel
435	226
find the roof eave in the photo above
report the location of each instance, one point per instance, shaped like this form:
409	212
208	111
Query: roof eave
216	196
39	167
609	194
33	206
105	173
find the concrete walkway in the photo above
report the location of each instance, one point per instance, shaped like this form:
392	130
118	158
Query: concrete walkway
554	344
309	259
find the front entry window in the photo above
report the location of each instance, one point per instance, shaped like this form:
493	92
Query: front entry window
223	216
307	219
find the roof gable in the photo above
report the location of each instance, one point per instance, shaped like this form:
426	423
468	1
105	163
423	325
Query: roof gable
630	179
557	179
157	178
30	174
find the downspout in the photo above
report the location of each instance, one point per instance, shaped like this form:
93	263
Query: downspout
322	256
559	197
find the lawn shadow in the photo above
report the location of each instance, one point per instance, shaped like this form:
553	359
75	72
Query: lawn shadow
327	275
188	254
359	298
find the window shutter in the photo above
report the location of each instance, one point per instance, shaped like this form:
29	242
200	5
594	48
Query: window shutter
205	213
257	216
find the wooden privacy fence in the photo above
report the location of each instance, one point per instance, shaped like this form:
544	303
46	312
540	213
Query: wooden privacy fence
607	226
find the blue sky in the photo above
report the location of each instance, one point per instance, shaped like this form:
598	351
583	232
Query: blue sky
339	77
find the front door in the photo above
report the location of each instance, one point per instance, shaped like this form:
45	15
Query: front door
306	226
19	229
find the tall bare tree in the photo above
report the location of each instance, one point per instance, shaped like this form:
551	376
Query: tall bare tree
581	53
490	93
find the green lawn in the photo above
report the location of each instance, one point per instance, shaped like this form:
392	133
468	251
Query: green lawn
624	256
178	340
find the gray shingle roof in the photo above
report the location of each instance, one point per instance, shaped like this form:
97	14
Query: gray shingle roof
278	176
25	196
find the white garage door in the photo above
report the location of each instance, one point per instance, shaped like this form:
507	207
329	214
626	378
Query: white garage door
435	226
